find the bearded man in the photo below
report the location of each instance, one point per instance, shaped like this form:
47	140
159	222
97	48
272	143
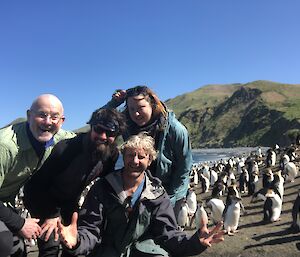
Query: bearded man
53	193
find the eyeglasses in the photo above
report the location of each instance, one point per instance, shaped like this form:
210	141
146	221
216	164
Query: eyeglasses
134	91
55	117
100	130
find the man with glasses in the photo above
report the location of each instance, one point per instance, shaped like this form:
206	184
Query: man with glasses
23	149
53	193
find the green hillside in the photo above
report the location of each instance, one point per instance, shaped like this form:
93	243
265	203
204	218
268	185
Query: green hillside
256	113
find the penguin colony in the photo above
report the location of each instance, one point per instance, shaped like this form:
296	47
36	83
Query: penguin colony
217	189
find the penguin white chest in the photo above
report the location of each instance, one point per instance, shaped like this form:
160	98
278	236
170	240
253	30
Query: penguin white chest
232	216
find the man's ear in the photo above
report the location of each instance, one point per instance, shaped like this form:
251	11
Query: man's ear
28	114
150	161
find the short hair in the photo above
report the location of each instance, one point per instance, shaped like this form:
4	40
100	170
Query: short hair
141	141
111	118
157	106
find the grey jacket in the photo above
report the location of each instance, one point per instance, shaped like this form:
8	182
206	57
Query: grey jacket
106	228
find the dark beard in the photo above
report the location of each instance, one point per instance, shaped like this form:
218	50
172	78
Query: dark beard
101	151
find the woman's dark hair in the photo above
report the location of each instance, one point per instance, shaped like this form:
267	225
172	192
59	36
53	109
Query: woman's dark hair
158	107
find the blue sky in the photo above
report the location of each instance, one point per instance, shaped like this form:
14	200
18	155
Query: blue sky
82	51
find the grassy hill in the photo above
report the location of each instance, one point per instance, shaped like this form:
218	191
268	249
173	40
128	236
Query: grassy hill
256	113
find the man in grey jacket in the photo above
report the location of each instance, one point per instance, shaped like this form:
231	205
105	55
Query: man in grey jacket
129	213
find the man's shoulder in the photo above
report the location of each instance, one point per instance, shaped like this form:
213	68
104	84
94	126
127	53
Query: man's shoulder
64	134
13	135
68	147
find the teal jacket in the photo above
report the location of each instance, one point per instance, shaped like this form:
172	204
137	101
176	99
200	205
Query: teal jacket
174	160
18	160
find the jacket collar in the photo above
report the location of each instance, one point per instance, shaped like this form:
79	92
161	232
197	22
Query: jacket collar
152	189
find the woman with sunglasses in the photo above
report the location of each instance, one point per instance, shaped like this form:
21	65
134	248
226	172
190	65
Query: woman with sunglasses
145	112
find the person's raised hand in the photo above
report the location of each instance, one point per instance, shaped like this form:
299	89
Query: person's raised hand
208	237
68	234
119	95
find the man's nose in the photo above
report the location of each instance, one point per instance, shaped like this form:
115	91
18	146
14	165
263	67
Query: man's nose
48	120
103	135
135	159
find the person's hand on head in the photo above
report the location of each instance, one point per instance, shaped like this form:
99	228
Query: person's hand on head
119	95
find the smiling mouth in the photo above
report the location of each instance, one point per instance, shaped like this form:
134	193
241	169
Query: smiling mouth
45	130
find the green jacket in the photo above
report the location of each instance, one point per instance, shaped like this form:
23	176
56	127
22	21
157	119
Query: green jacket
18	160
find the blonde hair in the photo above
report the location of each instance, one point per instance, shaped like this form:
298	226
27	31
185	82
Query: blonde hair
141	141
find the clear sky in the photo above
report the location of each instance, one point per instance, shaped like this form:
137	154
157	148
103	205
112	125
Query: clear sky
82	51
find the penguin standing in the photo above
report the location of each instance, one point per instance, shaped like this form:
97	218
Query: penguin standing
191	201
296	214
217	207
194	177
204	183
271	158
272	206
277	183
291	171
200	216
183	217
232	214
243	180
213	177
205	171
267	178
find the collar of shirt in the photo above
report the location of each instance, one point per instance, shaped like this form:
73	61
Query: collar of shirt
136	195
39	147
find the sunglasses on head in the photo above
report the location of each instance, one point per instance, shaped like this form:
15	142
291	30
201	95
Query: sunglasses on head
100	130
136	91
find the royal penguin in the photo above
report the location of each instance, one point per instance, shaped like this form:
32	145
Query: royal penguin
194	177
278	183
200	216
204	183
253	183
272	206
216	207
231	214
267	178
205	171
271	158
296	214
243	180
191	200
218	189
259	152
213	177
290	171
291	152
183	216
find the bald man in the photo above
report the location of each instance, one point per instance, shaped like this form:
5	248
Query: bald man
23	149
